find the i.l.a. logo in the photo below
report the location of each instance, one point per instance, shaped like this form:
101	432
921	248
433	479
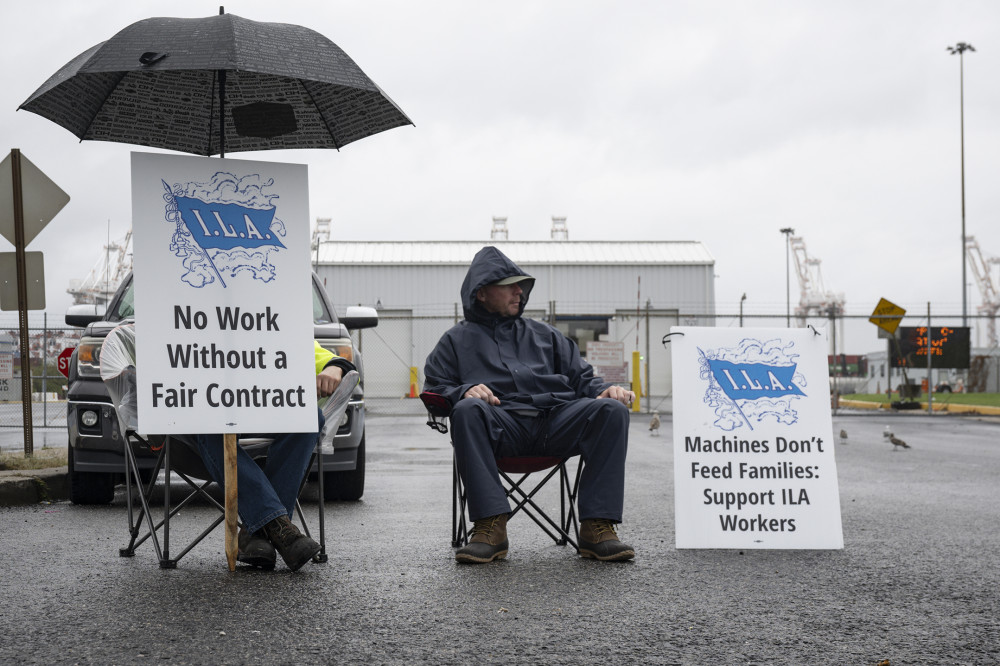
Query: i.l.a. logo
225	226
752	381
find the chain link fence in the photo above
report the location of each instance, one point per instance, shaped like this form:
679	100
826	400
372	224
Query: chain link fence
860	360
393	355
48	384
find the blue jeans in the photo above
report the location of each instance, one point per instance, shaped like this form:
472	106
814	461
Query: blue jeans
268	493
596	430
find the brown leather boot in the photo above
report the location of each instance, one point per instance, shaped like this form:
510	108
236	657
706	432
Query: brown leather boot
488	541
599	541
255	549
294	547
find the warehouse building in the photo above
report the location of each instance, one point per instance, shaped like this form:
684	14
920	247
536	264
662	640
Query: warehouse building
630	292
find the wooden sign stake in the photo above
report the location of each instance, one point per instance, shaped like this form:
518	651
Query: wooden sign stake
232	513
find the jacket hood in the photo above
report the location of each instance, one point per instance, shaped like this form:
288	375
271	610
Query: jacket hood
488	266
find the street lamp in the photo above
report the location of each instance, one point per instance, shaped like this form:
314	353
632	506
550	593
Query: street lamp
788	231
960	49
742	298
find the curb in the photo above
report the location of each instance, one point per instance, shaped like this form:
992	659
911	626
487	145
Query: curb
951	408
20	487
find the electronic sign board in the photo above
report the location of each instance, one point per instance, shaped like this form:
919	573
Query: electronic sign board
949	347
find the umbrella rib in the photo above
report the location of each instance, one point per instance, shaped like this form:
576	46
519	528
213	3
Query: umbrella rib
322	115
100	107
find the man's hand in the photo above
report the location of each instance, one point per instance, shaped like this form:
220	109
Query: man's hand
482	392
616	392
328	380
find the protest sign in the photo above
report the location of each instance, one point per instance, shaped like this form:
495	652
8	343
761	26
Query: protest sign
753	440
223	300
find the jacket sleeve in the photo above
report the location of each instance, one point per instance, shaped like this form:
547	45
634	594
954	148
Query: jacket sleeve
325	358
441	373
579	372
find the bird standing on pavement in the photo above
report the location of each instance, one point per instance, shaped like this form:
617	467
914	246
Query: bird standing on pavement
654	424
897	443
843	436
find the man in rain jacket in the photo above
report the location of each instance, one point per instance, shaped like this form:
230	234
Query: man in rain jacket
518	387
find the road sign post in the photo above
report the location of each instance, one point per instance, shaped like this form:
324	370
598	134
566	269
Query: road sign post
25	208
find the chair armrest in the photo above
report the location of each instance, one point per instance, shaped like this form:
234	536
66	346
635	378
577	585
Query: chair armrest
436	404
438	410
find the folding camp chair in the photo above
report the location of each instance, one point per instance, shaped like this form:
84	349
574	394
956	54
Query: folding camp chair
514	473
177	455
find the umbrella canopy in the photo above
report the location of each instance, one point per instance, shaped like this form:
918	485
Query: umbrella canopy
165	82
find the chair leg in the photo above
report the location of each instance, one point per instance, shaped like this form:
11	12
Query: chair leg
321	556
145	513
569	492
134	480
526	502
459	528
165	561
562	503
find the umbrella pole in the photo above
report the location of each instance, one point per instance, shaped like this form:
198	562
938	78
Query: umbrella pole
222	104
222	113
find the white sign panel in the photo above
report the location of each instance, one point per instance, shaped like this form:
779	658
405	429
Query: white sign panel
600	352
223	300
753	440
608	359
34	272
6	360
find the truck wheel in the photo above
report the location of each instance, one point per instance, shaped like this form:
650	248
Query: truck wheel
346	486
89	487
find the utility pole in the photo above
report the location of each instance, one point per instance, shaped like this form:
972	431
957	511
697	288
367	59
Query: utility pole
788	231
960	49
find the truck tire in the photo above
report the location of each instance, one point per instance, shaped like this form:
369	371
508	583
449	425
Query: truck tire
346	486
89	487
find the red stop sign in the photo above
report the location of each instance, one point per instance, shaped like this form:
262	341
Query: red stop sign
63	362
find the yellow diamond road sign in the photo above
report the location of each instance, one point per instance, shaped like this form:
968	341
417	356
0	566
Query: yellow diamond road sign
887	316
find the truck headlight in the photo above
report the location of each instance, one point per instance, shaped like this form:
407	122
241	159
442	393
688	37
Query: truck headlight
88	359
89	418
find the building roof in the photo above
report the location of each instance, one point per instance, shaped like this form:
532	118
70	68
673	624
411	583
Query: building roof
528	253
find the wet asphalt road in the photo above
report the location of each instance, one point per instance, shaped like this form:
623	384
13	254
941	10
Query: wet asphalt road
917	581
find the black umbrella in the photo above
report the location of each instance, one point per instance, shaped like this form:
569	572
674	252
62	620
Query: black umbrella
166	82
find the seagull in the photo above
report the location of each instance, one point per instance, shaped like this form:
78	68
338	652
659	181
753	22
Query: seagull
897	442
654	424
887	433
843	436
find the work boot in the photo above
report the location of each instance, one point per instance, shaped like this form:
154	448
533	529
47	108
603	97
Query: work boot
294	547
599	541
255	549
488	541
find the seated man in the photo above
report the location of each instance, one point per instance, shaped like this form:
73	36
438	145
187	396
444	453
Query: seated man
518	387
267	496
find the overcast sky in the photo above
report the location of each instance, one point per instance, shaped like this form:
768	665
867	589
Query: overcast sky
720	122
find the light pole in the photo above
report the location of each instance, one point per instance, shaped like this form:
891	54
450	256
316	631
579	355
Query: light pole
960	49
788	231
742	298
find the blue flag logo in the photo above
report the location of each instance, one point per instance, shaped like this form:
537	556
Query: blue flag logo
225	226
751	381
755	380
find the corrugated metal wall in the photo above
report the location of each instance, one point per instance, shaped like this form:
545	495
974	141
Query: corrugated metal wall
434	290
431	294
